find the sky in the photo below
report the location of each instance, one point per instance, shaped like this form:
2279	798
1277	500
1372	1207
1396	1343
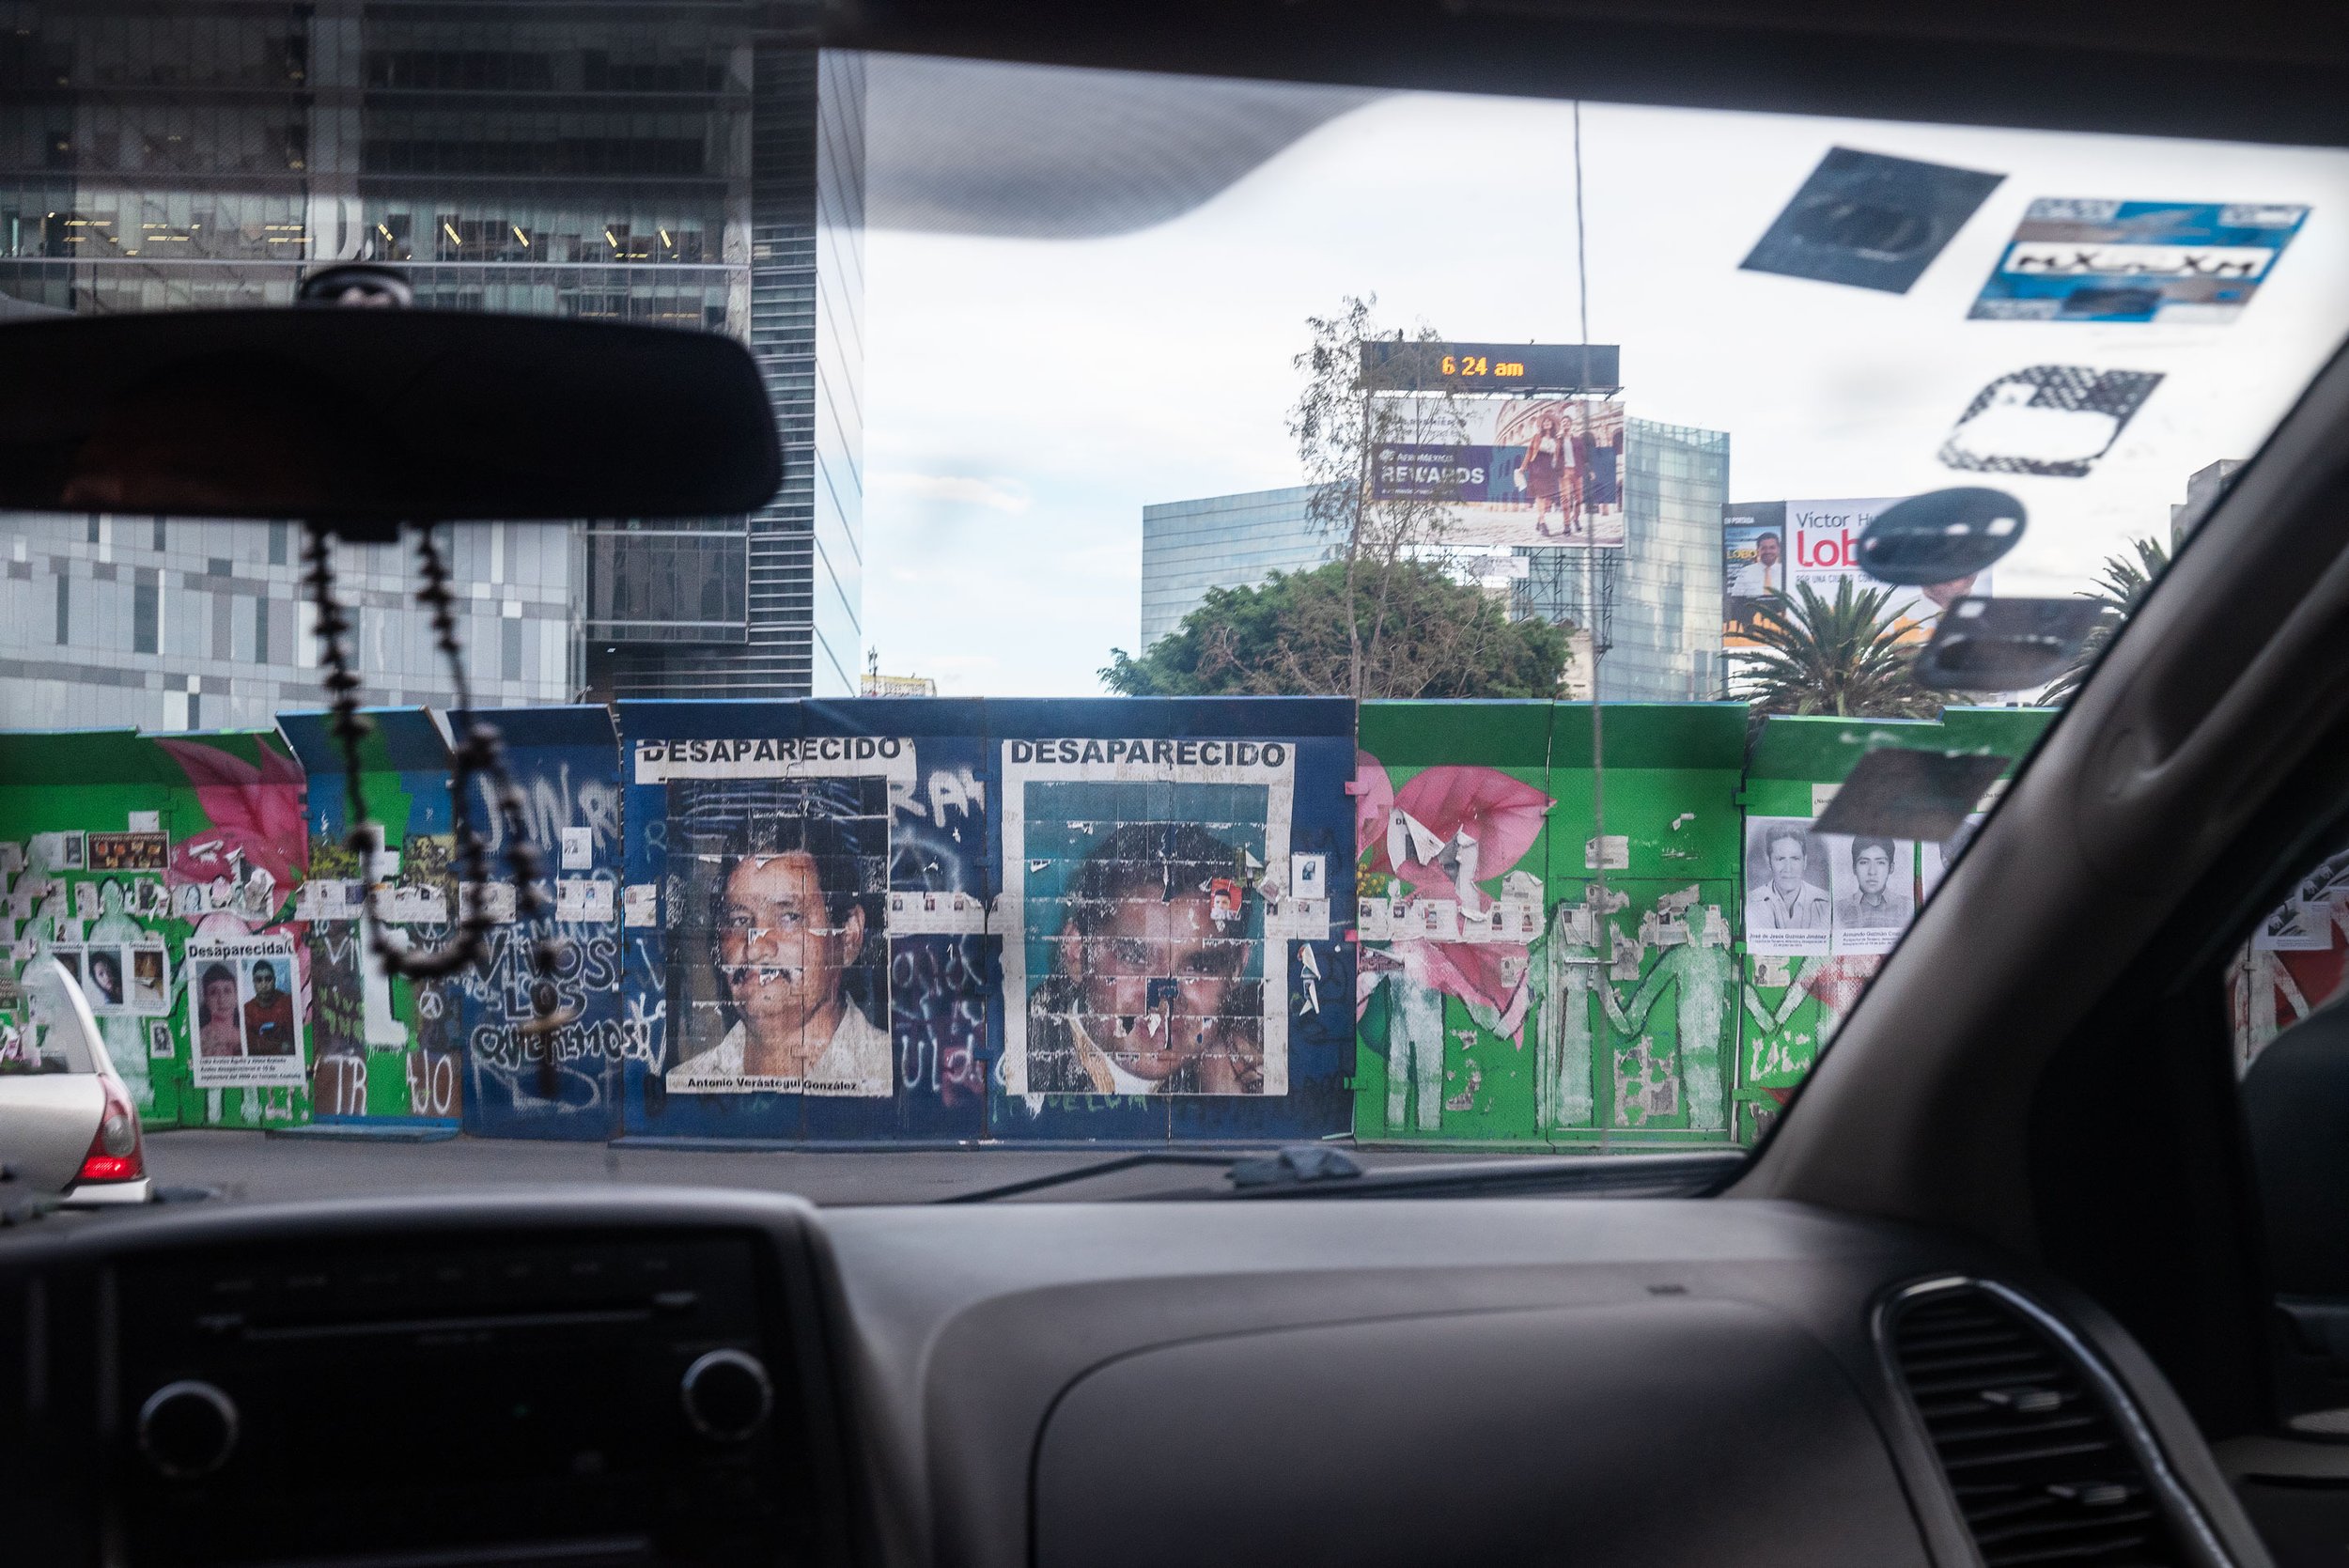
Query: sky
1024	399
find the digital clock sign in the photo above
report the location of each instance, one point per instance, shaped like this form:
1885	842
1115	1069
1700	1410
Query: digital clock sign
1529	367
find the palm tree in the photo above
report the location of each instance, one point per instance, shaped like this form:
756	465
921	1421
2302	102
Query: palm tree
2117	593
1843	656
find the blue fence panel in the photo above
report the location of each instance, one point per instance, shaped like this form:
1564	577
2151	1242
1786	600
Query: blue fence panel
1177	884
559	1082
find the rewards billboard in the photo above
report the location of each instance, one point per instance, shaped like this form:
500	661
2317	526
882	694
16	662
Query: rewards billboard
1511	472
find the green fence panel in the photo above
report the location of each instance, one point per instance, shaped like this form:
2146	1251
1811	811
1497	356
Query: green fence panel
1451	829
1641	990
134	860
1799	986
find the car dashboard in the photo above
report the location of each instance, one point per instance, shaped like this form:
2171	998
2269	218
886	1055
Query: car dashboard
656	1376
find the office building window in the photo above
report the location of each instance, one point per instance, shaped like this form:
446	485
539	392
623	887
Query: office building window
277	531
261	632
162	541
65	608
93	528
511	650
145	618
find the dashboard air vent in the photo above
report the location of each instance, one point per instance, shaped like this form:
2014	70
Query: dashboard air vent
2038	1464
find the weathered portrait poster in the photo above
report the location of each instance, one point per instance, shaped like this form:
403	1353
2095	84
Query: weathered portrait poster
1139	873
243	1013
1790	883
778	878
1875	883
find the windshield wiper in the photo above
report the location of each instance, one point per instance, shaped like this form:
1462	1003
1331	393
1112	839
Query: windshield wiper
1084	1172
1696	1174
1318	1171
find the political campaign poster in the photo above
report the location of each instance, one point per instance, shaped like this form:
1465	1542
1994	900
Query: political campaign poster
241	1011
1144	877
1790	883
1770	548
1521	472
2098	259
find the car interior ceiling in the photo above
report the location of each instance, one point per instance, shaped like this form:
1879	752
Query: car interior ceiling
2095	1134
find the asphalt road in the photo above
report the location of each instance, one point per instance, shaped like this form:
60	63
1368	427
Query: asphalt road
256	1165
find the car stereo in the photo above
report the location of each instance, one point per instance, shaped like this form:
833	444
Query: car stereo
592	1397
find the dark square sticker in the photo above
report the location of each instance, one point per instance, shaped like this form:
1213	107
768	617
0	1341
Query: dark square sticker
1870	221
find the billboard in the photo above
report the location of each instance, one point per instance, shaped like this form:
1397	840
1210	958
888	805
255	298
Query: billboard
2098	259
1423	367
1771	547
1536	471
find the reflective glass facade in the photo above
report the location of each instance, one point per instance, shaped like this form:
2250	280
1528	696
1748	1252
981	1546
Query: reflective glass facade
1659	598
1221	541
645	162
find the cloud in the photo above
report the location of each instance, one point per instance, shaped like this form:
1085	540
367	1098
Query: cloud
995	494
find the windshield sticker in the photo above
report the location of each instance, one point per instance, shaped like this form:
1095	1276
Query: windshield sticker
1870	221
1151	954
2174	262
2054	420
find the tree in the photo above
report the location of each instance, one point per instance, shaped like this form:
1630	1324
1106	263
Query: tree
1340	425
2117	593
1414	632
1842	656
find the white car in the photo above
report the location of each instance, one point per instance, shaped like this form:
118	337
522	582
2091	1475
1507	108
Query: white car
68	1129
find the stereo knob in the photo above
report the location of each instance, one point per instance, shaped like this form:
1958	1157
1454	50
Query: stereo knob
187	1429
726	1395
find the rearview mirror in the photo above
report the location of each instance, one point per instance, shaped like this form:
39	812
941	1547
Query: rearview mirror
1940	537
363	419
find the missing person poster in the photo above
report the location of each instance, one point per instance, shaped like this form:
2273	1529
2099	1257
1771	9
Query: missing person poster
1139	873
1875	879
242	1012
1790	883
1511	471
778	954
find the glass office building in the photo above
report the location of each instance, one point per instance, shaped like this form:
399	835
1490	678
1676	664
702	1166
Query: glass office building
1221	541
689	164
1658	599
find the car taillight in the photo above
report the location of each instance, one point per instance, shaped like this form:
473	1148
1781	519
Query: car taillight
114	1153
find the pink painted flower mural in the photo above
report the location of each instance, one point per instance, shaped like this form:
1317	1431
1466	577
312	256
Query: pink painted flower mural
1449	834
255	811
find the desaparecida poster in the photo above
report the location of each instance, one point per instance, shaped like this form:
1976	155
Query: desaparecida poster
778	956
243	1015
1147	879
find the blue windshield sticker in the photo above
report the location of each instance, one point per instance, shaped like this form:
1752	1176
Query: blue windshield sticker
2172	262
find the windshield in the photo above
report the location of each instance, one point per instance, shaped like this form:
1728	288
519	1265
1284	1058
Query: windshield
1294	615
